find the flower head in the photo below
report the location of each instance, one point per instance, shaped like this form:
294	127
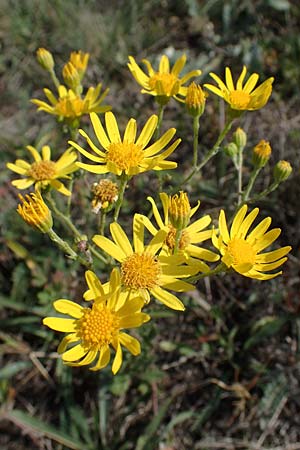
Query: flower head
45	59
261	153
35	212
71	76
70	106
44	172
164	83
195	100
128	155
80	61
191	235
105	193
239	97
282	171
143	270
242	251
93	330
179	210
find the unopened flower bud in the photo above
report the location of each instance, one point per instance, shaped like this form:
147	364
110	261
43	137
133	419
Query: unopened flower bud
195	100
231	149
261	153
45	59
35	212
105	194
282	171
240	138
179	210
71	76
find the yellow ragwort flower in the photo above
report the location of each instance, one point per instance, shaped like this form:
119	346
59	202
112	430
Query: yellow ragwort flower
71	76
80	61
44	172
195	100
143	270
242	251
70	106
164	83
128	155
192	235
261	153
93	330
242	98
45	59
105	193
35	212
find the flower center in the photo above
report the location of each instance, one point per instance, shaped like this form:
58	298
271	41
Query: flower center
239	99
241	253
125	155
70	107
164	84
140	271
42	170
170	239
98	326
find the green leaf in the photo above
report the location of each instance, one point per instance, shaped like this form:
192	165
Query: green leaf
280	5
267	326
24	420
11	369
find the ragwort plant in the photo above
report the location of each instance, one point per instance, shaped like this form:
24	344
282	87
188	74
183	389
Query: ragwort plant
171	248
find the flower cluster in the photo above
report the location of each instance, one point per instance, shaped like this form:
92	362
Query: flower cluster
171	248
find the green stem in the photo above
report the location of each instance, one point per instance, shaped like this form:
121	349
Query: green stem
196	125
66	221
123	183
177	240
240	175
65	247
251	183
54	78
70	187
212	152
159	122
220	268
102	221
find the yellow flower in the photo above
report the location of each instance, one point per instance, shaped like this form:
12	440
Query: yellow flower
195	100
71	76
242	251
105	194
35	212
261	153
70	106
191	235
242	98
163	83
93	330
45	59
143	271
44	172
128	155
80	61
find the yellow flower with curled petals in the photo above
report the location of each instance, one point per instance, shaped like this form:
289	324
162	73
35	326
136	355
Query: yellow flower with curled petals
35	212
44	172
69	106
143	270
164	83
242	251
94	330
128	155
192	235
242	97
80	61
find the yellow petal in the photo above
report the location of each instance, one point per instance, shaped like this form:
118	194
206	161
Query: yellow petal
147	131
130	131
237	221
228	78
95	286
68	339
167	299
223	227
131	343
67	307
74	353
60	324
121	239
99	131
112	127
104	358
274	255
109	247
117	360
156	242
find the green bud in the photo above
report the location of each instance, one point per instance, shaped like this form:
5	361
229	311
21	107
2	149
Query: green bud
231	150
282	171
240	138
